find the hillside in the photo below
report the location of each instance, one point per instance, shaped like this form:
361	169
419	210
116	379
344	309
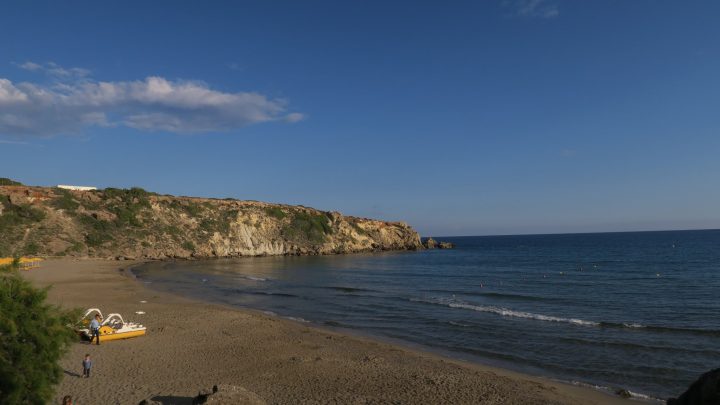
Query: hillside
134	223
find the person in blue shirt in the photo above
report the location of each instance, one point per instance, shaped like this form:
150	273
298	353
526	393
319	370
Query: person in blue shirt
95	329
87	365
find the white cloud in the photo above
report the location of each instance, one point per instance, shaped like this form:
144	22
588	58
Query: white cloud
152	104
54	70
533	8
294	117
30	66
12	142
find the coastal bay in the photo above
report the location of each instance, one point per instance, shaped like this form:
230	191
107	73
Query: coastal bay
193	345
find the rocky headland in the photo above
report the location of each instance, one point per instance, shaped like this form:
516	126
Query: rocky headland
137	224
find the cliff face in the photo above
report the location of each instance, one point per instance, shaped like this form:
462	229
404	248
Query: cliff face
136	224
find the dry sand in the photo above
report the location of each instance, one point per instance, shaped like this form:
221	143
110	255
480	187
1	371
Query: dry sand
192	345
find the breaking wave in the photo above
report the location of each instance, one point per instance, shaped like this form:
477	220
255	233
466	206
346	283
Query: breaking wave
252	278
507	312
452	303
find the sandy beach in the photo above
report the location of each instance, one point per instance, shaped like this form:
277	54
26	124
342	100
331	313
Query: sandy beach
192	345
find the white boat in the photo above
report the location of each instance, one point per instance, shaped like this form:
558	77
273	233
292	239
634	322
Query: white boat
111	328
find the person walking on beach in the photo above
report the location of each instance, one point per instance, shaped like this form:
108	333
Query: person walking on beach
95	329
87	365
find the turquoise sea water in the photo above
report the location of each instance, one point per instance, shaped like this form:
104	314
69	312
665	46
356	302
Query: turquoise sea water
636	310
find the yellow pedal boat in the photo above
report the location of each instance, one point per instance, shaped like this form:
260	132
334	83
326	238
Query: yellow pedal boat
111	328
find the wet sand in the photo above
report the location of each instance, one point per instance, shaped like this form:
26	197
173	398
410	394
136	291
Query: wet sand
192	345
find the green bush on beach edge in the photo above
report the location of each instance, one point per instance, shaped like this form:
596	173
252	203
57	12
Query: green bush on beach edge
33	337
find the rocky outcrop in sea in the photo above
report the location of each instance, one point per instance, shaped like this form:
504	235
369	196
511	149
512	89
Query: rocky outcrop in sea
431	243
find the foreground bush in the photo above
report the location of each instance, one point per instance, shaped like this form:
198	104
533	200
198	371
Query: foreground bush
33	337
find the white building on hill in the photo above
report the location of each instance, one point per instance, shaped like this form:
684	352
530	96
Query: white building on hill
76	188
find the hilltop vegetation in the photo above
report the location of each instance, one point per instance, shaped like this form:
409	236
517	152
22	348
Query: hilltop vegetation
135	223
4	181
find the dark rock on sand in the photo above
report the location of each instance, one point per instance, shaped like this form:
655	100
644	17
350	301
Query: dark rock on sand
228	395
704	391
623	393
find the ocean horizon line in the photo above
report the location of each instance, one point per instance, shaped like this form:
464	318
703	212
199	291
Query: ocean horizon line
569	233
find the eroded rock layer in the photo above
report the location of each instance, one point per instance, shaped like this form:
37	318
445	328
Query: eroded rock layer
134	223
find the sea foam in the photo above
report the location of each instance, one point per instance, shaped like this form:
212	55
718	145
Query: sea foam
507	312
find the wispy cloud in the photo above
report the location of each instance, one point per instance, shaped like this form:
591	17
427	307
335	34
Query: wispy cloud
533	8
235	66
55	70
32	66
151	104
3	141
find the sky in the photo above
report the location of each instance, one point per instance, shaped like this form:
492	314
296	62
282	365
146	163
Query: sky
460	118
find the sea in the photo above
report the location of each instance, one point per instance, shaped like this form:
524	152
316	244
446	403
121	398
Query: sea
636	310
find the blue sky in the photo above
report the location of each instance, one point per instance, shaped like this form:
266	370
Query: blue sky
461	118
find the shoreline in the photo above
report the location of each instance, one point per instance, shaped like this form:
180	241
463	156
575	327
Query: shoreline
192	345
461	358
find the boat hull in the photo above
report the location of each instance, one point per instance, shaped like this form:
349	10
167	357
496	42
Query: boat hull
121	335
105	336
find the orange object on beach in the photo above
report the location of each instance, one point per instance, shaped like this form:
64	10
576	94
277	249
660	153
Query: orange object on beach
26	263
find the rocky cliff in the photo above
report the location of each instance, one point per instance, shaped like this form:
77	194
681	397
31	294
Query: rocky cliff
134	223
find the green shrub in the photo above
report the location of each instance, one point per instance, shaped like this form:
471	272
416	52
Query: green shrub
96	224
15	215
98	231
128	194
66	201
358	229
130	204
187	245
192	209
9	219
127	216
275	212
31	248
208	224
33	338
172	230
112	192
4	181
95	239
307	227
219	222
76	247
